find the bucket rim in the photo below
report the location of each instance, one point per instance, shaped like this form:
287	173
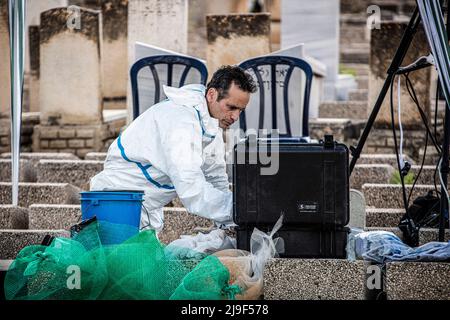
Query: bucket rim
113	191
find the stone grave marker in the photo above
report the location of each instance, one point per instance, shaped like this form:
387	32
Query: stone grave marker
33	18
383	45
236	37
5	81
70	68
114	59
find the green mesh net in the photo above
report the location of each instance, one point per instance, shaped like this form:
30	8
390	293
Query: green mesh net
139	268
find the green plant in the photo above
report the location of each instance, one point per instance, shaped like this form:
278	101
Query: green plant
346	70
408	179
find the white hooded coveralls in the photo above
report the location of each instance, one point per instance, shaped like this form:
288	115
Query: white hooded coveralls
173	148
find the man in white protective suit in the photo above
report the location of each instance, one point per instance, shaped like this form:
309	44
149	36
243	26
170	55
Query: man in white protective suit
176	148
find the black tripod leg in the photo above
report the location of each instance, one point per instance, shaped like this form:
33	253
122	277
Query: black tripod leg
407	38
444	163
444	174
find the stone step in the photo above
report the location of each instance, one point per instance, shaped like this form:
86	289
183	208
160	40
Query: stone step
370	173
349	55
12	241
99	156
383	218
36	156
29	162
177	222
314	279
426	176
12	217
343	109
53	216
417	281
75	172
27	172
389	159
425	234
390	195
358	69
383	173
358	95
48	193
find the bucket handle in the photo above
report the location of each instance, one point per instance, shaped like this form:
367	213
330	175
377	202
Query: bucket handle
148	215
93	202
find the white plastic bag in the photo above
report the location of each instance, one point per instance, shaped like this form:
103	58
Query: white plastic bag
194	247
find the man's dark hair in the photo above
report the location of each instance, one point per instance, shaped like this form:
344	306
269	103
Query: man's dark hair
223	77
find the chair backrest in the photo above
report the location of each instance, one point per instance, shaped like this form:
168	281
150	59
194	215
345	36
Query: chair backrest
272	76
170	61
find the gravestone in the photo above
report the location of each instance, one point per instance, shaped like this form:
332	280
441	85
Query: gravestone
165	25
197	11
5	81
196	28
33	18
236	37
146	83
316	24
162	23
70	68
114	59
383	45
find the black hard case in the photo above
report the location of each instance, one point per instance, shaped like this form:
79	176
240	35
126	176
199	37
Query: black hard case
311	186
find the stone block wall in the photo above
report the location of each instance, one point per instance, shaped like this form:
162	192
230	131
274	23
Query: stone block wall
382	141
76	139
5	127
343	130
29	120
360	6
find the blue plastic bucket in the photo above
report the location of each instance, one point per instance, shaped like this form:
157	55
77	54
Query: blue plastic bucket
118	213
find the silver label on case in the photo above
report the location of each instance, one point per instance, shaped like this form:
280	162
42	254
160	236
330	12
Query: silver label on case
307	207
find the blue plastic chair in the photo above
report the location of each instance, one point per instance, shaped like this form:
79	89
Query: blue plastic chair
170	61
273	62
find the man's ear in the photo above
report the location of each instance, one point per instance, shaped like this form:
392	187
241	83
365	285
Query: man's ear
211	95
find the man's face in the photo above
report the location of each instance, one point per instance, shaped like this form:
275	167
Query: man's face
228	109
